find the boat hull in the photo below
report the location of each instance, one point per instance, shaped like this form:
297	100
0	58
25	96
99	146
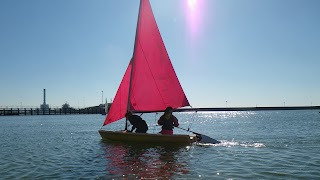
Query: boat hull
122	136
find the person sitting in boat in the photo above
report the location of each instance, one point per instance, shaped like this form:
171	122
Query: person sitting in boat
137	123
167	120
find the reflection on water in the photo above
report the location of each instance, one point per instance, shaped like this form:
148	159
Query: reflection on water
132	161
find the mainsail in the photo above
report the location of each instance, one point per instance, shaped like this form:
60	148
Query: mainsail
150	82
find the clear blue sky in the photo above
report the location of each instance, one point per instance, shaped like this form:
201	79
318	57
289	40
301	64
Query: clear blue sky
248	52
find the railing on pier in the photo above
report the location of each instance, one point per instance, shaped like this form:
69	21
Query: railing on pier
50	111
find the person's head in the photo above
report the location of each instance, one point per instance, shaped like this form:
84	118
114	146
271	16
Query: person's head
168	110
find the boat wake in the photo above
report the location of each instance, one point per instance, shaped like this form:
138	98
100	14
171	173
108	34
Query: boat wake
225	143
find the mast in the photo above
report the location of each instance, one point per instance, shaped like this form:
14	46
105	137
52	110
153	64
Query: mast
132	63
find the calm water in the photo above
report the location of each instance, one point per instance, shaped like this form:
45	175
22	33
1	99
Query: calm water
255	145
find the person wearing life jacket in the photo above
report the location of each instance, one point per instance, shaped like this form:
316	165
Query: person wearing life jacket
137	123
168	121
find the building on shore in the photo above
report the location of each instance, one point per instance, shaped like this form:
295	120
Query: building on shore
44	106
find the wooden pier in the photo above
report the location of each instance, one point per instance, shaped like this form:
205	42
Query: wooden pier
50	111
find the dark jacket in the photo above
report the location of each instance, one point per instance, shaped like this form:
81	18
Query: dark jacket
168	124
138	123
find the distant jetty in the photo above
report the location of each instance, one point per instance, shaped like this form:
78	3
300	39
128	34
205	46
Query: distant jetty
50	111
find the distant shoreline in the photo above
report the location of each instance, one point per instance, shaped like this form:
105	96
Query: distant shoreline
241	109
97	110
253	108
259	108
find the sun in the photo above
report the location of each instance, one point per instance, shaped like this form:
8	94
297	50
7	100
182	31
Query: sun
194	12
192	4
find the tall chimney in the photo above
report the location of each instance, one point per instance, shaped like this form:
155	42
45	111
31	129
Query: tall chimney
44	96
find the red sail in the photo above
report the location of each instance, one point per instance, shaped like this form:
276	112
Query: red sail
119	105
154	83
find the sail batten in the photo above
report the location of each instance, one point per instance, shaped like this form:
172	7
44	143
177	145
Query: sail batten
150	76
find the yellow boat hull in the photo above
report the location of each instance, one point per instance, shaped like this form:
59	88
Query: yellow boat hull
122	136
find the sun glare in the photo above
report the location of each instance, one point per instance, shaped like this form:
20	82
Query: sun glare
193	12
192	4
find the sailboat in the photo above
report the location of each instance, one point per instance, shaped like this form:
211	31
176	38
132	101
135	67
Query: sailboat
149	84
